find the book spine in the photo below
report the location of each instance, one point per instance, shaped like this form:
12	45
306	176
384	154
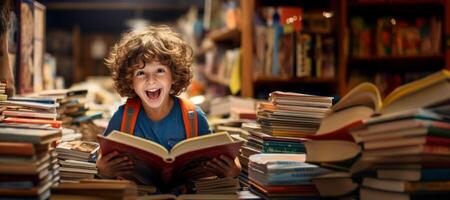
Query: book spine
427	186
282	150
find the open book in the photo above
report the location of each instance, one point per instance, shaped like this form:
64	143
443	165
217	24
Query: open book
364	101
153	163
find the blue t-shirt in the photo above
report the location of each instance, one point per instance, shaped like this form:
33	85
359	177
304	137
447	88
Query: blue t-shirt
167	131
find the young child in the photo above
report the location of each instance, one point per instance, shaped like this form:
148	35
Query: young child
151	67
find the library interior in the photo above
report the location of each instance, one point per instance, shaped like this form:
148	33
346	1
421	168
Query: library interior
224	99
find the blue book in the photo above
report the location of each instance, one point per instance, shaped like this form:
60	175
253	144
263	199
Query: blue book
34	99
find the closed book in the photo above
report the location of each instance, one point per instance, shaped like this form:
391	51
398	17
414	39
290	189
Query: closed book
406	141
41	136
406	186
372	194
421	174
424	149
21	149
17	113
53	123
404	130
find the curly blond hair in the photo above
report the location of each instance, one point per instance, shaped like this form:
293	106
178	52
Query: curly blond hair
154	43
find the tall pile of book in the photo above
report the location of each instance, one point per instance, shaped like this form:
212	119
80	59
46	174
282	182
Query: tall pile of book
407	145
282	125
282	176
77	160
390	146
27	163
410	151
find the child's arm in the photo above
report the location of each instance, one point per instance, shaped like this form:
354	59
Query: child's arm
113	164
224	167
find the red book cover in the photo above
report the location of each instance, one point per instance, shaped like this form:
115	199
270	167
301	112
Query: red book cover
153	163
53	123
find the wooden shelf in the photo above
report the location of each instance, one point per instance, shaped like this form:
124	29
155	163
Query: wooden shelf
225	35
392	63
306	80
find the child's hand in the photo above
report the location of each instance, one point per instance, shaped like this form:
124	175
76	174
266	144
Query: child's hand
223	167
112	165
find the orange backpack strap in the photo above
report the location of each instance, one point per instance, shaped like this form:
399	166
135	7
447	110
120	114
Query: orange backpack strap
130	114
190	118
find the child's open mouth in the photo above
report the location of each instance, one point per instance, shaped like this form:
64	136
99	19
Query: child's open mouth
153	94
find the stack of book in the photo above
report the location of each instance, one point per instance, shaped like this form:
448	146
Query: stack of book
407	144
258	142
214	185
409	128
332	145
31	110
3	95
27	165
77	160
282	176
292	114
410	151
96	189
73	107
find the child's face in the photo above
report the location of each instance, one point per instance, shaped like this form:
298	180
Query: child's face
153	84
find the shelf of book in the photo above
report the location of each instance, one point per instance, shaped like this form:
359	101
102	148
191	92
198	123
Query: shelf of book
427	19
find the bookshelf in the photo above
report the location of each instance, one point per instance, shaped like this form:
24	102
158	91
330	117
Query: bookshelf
400	33
255	81
346	62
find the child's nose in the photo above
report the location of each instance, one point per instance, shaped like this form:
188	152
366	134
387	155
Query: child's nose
151	78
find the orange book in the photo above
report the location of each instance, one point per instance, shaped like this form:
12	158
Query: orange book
21	149
153	163
53	123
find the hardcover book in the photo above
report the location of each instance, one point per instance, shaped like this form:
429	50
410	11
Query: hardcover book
153	163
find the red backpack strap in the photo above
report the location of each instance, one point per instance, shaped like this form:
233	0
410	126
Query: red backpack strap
190	118
130	114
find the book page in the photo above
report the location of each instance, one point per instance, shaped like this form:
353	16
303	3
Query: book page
417	85
365	94
140	143
202	142
344	118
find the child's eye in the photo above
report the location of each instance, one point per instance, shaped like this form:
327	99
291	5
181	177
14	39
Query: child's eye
139	73
160	71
